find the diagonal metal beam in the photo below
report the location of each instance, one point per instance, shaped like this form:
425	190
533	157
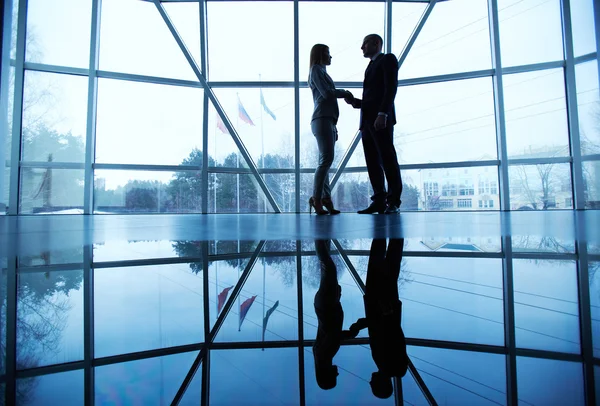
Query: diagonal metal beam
350	266
15	153
401	59
226	309
213	98
415	34
421	383
345	159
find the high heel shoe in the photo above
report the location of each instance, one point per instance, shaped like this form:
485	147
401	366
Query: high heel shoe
317	205
329	206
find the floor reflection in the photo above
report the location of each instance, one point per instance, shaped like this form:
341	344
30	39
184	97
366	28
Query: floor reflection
348	321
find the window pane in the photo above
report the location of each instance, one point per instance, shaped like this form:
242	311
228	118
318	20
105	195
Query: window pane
536	114
582	23
591	184
141	123
123	297
530	31
235	193
144	382
50	318
263	134
270	287
464	305
353	191
116	250
58	32
56	191
245	386
253	22
546	305
118	191
186	19
454	39
355	366
451	189
283	189
65	388
405	17
461	377
316	284
54	117
342	37
347	127
146	47
436	122
588	107
51	256
549	382
540	187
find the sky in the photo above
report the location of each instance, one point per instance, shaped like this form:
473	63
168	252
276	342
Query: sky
140	123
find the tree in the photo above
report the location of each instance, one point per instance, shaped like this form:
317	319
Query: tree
536	187
410	197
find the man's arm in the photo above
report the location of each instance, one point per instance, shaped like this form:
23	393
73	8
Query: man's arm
390	83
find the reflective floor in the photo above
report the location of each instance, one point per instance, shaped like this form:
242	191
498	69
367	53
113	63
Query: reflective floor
416	309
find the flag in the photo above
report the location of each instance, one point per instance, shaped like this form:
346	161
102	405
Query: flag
264	104
221	299
243	113
266	318
244	307
221	125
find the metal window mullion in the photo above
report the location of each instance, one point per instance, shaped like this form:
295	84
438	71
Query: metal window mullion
572	109
213	98
509	313
204	391
388	26
88	324
10	393
17	123
498	88
297	174
301	368
90	136
205	105
585	314
6	25
597	34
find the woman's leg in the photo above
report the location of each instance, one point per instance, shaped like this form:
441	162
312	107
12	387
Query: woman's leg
324	132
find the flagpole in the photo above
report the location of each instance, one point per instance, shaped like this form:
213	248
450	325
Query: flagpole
214	174
262	138
237	159
239	308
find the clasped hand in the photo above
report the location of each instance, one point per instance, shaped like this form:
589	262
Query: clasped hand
349	97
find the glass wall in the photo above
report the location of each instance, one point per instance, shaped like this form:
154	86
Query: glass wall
204	107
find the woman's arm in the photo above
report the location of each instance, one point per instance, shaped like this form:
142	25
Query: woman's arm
317	79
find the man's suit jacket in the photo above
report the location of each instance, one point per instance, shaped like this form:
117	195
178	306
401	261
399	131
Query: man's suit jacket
379	90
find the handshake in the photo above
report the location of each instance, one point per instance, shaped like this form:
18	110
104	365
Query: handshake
349	98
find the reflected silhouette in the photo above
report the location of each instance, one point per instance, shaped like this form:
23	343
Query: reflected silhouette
383	311
330	317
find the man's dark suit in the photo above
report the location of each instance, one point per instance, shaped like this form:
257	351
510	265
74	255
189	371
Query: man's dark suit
379	91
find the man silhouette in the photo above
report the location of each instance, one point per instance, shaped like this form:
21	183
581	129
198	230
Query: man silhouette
377	120
383	310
